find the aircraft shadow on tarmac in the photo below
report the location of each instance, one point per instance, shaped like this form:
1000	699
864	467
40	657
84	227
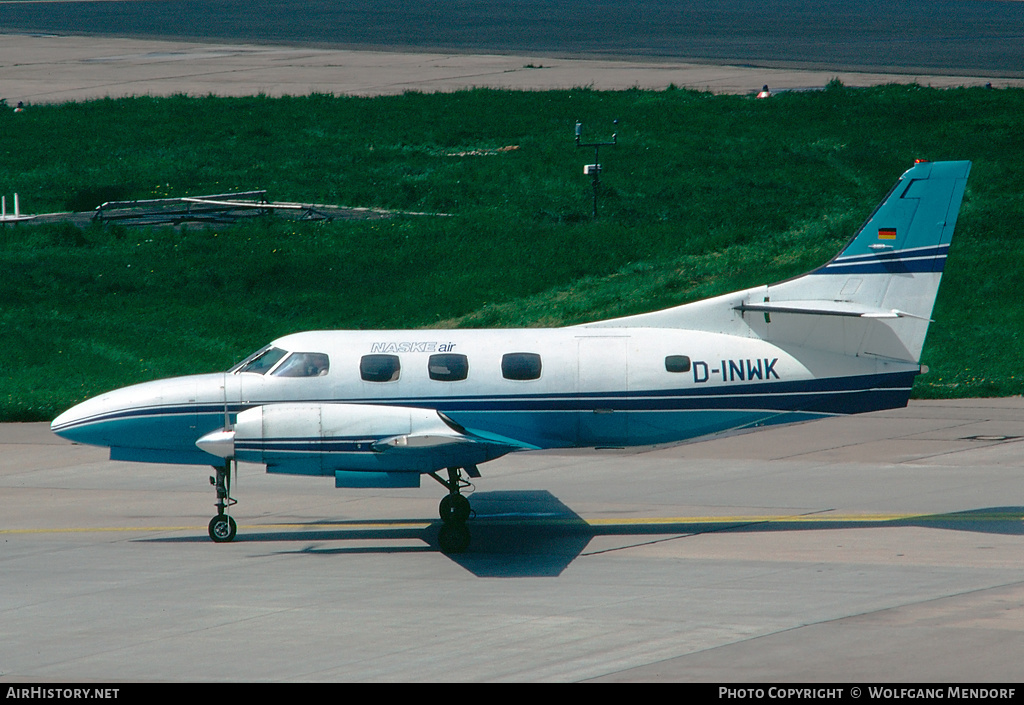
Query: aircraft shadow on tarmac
533	534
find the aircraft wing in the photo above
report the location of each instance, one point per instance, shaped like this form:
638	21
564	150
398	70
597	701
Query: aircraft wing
340	438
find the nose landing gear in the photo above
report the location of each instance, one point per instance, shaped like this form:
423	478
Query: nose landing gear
222	527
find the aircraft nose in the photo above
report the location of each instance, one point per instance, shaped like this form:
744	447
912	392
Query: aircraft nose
140	415
62	420
75	423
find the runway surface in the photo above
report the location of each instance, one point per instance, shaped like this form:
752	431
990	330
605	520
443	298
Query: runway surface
54	69
882	547
964	36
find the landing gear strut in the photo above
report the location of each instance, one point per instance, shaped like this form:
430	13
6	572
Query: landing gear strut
454	535
223	527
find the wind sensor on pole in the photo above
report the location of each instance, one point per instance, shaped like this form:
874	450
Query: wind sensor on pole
594	170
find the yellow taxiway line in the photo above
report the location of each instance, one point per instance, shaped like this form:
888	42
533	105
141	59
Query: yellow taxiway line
815	518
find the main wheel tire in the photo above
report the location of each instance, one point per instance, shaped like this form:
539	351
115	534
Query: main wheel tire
454	509
453	538
222	528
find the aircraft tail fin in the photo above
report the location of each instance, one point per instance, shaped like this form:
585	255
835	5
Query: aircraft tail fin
884	282
910	231
874	298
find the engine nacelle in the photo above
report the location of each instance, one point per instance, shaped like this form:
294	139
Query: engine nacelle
347	440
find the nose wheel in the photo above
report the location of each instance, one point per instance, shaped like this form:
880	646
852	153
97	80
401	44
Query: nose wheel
222	527
454	536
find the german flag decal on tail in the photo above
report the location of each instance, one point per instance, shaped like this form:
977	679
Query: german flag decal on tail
887	233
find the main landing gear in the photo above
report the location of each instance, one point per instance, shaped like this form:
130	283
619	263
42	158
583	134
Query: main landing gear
454	509
454	535
222	526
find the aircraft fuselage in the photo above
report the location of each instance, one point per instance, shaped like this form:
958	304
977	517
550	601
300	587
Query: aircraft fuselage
580	387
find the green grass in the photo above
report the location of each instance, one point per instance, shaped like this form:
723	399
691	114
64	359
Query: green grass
704	194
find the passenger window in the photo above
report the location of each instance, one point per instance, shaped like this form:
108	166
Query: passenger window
379	368
304	365
520	366
262	361
677	363
448	367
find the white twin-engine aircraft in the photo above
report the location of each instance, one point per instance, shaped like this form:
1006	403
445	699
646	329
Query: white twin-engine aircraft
382	408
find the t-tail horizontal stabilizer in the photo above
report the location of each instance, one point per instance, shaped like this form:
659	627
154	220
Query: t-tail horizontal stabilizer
873	299
886	278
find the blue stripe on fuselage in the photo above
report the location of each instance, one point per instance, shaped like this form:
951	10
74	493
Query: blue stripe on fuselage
545	420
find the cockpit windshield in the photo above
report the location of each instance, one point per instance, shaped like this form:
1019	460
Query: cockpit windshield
260	361
303	364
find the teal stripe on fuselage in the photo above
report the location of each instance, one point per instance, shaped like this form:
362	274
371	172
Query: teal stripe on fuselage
555	429
544	421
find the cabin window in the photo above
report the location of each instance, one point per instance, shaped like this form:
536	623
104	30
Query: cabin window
448	367
520	366
677	363
380	368
304	364
261	361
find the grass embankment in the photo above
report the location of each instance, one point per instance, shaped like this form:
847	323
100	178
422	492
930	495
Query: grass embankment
703	194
